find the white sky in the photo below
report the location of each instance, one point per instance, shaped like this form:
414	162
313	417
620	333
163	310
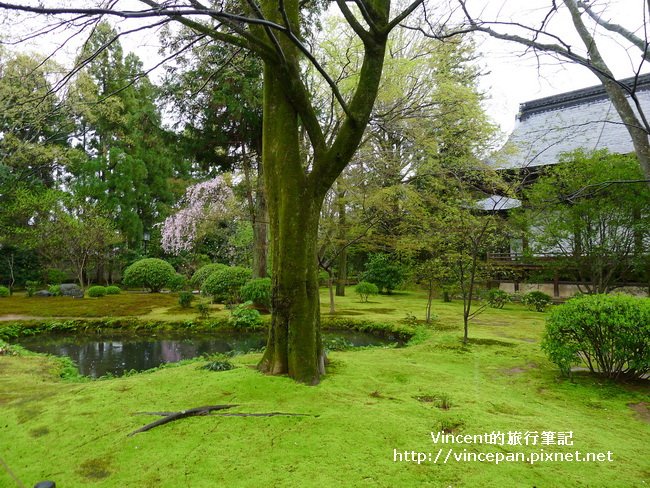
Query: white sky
511	78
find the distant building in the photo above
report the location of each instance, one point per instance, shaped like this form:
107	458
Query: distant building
585	118
546	128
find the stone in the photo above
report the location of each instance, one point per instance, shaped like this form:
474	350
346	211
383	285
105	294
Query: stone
42	293
71	290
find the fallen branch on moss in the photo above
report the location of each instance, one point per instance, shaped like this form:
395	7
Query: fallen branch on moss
192	412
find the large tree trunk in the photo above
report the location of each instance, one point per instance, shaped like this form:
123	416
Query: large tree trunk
260	233
294	343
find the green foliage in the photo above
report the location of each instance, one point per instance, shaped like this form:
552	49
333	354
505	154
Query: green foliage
56	276
113	290
364	289
4	291
185	299
610	333
177	282
220	365
244	317
31	287
383	271
96	291
55	290
203	272
224	285
536	300
203	310
497	298
151	273
257	291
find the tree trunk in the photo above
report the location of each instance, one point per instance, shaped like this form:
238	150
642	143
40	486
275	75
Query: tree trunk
294	343
330	287
429	301
342	273
260	230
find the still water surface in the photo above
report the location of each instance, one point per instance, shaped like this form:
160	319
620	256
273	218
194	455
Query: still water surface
97	355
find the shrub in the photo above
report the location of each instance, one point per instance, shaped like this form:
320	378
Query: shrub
56	276
384	272
257	291
31	287
223	365
498	298
224	285
177	282
185	299
55	290
4	291
151	273
203	309
113	290
610	333
536	300
245	317
96	291
203	272
364	289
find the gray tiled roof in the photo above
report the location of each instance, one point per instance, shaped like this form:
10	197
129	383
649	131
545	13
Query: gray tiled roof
554	125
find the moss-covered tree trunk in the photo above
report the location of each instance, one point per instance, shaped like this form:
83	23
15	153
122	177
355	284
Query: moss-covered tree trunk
294	344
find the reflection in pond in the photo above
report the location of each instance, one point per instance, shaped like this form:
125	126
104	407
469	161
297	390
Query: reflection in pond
97	355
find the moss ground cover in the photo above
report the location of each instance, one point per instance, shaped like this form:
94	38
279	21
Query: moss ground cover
372	402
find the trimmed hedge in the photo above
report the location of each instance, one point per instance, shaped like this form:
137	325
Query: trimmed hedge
224	286
257	291
96	291
201	274
4	291
113	290
151	273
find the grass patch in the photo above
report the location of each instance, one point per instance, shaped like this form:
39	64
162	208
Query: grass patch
372	402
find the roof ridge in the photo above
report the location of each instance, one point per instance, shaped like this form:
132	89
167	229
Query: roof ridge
578	97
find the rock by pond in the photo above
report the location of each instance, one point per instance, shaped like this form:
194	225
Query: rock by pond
116	353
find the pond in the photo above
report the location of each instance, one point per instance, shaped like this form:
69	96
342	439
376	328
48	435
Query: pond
97	355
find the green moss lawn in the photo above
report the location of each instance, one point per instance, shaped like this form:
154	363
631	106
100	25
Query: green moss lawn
372	402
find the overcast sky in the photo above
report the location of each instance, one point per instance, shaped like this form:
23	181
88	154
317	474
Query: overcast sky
510	78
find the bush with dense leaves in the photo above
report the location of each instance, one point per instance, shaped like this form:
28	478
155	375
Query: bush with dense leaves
151	273
536	300
384	272
113	290
364	289
4	291
203	272
96	291
55	290
609	333
31	287
177	283
497	298
224	285
245	317
257	291
185	299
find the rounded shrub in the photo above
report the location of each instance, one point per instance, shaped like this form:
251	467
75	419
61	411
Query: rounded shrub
364	289
536	300
151	273
384	271
498	298
224	285
257	291
4	291
96	291
201	274
113	290
609	333
177	282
